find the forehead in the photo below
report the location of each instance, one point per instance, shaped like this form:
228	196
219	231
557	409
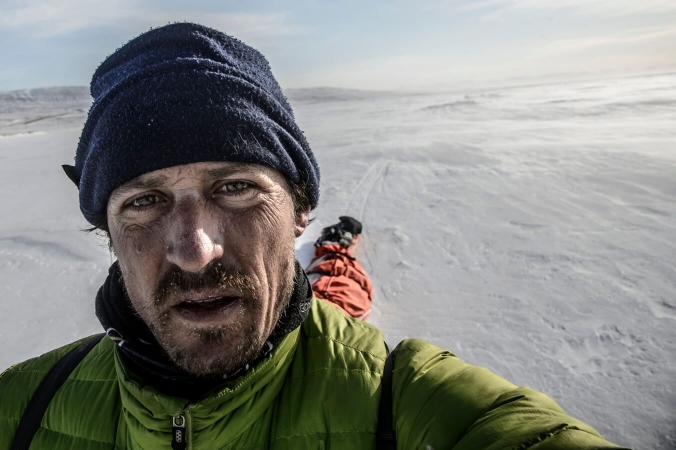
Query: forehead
198	172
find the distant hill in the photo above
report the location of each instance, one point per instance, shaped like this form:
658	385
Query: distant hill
330	94
47	95
80	94
30	110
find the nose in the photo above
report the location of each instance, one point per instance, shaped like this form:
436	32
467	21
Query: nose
194	240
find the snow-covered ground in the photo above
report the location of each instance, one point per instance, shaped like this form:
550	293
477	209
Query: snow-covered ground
531	230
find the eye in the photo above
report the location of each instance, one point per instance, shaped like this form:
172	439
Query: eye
144	201
236	193
236	186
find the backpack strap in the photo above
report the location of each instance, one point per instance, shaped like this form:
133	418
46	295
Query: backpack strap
385	436
57	375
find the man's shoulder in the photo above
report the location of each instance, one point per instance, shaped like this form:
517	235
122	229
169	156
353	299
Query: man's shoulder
42	364
19	382
327	323
472	407
92	381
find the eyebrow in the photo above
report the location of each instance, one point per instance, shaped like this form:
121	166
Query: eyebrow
231	169
157	181
148	182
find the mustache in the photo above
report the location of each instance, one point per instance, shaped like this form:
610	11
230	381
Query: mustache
216	275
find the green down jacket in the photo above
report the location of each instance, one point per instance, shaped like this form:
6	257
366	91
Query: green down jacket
319	389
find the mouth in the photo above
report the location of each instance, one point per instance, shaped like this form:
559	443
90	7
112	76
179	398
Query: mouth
207	309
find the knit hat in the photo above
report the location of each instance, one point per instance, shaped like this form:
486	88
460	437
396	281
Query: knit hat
182	94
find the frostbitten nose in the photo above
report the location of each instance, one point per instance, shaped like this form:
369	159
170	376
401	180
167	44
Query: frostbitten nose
193	243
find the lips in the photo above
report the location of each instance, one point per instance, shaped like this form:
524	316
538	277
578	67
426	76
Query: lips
207	308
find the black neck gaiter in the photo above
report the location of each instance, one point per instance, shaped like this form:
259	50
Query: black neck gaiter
144	356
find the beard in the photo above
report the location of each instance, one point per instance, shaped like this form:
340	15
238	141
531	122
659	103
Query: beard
218	350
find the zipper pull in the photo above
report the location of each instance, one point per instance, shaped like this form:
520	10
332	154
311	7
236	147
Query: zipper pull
178	433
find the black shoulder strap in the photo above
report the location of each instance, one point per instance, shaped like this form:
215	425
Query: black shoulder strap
385	438
32	415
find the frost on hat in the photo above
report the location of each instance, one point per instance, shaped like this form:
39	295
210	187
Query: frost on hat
181	94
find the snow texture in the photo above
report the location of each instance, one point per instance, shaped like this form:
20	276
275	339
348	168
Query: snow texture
531	230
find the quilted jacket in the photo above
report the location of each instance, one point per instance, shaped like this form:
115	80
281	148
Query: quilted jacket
319	389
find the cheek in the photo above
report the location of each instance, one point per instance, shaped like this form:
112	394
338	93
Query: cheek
270	224
140	253
261	237
139	241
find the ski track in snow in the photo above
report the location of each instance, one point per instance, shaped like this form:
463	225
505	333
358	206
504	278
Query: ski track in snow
530	230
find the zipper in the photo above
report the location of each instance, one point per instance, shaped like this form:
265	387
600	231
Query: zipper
178	435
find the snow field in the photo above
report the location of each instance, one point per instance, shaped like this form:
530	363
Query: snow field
530	230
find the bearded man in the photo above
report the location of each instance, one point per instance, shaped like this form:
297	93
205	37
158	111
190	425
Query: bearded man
193	164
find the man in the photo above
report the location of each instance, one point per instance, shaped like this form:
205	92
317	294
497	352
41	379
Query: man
191	161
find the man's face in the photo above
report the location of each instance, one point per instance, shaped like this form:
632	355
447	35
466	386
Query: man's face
207	257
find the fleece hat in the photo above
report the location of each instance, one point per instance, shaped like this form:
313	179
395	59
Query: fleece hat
182	94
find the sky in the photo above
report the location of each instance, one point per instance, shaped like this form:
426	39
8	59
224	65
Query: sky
378	44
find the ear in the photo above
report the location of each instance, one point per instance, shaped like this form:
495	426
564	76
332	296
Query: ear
302	221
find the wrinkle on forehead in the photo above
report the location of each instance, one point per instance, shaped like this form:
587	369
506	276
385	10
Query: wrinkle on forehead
146	181
158	179
233	168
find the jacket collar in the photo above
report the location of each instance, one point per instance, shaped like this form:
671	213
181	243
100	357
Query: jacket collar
143	356
236	403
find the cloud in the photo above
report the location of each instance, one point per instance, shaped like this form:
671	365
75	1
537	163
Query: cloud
45	18
563	57
498	9
628	37
406	71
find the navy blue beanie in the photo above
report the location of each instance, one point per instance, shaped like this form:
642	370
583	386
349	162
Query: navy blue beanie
181	94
